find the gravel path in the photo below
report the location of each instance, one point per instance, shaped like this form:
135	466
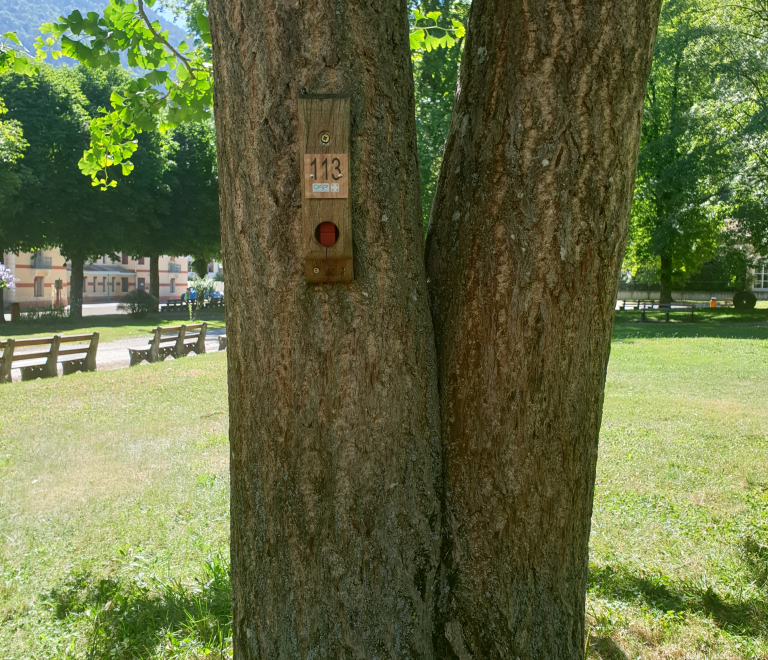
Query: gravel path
114	354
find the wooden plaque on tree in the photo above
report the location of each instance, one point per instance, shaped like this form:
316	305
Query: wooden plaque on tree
325	187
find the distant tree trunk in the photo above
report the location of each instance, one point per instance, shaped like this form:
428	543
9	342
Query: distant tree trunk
154	276
665	279
334	424
76	288
2	301
524	249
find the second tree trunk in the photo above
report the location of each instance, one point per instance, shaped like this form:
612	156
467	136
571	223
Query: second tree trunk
525	244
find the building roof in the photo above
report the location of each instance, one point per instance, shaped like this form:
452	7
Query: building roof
103	269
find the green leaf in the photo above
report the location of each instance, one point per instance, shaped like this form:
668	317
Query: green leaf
202	23
430	42
434	15
10	36
416	39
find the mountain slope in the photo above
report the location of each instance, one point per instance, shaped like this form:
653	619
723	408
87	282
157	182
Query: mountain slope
24	17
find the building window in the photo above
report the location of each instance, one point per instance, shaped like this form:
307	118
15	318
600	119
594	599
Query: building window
94	285
39	287
104	260
113	285
173	285
104	284
124	285
761	275
141	283
125	258
141	261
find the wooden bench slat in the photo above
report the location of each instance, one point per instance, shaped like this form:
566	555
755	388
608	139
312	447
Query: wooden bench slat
73	351
21	357
72	338
36	341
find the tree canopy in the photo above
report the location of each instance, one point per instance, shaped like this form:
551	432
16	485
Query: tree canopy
703	144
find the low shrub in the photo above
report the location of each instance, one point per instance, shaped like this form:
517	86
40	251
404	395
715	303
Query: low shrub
138	303
37	314
744	300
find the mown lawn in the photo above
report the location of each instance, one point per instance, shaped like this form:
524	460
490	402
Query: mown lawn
114	505
110	326
679	552
114	523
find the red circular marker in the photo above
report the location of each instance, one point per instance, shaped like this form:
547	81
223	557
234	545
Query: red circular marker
327	234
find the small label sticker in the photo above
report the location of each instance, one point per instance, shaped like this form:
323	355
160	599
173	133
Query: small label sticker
321	187
334	187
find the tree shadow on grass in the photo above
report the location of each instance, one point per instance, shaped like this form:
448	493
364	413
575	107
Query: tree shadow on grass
129	618
624	329
748	616
605	649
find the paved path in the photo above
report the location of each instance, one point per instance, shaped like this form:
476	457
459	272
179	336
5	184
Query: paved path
114	354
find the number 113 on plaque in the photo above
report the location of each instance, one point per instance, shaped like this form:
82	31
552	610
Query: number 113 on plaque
326	176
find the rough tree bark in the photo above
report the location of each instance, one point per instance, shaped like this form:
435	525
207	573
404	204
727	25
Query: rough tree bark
335	452
76	288
523	254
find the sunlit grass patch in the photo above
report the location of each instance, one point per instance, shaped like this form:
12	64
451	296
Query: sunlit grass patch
679	549
114	526
114	498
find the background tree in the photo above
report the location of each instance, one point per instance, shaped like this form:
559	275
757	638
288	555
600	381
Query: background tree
687	154
194	203
12	173
435	73
742	98
58	205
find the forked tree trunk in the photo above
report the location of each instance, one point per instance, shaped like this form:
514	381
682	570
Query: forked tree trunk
335	452
154	276
76	288
523	254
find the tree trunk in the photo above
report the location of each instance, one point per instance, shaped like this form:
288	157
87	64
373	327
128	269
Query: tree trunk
76	288
665	279
525	244
154	276
2	300
334	422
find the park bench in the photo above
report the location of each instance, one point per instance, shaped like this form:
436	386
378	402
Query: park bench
72	358
173	304
629	305
171	341
222	342
214	302
666	308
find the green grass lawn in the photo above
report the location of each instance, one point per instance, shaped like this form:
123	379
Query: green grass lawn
110	326
114	505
